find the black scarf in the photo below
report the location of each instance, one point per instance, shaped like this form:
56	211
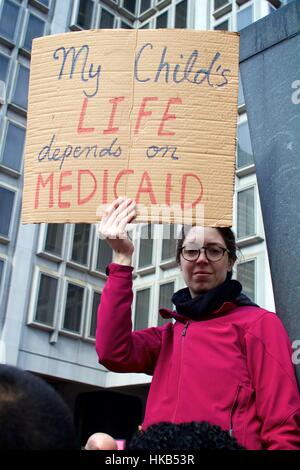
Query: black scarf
204	304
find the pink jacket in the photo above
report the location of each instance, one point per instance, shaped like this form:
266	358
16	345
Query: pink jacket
232	368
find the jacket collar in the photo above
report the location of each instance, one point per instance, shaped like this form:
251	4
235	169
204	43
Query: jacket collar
218	300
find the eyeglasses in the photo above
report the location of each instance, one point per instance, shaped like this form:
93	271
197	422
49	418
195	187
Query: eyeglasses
212	252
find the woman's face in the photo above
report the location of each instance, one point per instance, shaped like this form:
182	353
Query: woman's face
202	275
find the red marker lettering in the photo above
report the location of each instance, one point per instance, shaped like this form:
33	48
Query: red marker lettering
43	184
80	128
183	189
115	102
84	200
168	117
143	113
147	189
64	188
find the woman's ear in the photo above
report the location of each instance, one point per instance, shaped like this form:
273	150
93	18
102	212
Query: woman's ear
230	265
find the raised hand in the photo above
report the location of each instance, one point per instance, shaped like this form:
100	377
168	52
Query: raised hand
112	228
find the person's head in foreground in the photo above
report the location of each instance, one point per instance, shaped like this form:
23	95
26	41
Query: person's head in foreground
206	256
183	436
32	414
101	441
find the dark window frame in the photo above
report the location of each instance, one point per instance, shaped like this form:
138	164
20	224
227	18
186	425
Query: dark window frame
90	315
11	101
70	260
7	238
13	122
25	30
145	267
255	221
32	320
140	289
8	57
63	329
74	23
5	39
254	261
50	253
41	6
98	241
2	274
109	11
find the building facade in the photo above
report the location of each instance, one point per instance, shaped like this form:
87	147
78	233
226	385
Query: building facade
51	276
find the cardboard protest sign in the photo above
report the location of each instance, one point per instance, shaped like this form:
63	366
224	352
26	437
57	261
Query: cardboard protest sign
150	114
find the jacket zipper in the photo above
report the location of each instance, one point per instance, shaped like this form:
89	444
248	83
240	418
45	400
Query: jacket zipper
232	409
179	376
185	328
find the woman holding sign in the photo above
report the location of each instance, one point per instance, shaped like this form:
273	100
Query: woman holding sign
223	360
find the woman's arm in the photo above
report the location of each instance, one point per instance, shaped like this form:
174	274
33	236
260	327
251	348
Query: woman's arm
119	349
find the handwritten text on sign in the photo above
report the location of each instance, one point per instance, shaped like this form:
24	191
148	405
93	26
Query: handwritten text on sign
140	117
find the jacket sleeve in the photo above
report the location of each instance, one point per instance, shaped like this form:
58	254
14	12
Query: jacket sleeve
118	348
269	356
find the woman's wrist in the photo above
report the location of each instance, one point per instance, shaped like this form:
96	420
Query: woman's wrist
125	260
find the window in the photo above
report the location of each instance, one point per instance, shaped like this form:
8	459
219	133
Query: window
54	239
245	155
220	3
104	256
142	309
241	99
44	2
146	246
81	244
35	29
14	146
73	310
107	19
169	242
20	97
130	5
45	308
224	26
125	25
4	62
144	6
9	19
246	276
6	207
93	322
181	15
1	269
85	14
245	213
244	17
162	20
166	292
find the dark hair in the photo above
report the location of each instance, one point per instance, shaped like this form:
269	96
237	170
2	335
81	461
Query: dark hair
183	436
32	414
227	235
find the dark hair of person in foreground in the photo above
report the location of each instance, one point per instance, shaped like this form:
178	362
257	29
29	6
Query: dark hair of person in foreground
32	414
183	436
